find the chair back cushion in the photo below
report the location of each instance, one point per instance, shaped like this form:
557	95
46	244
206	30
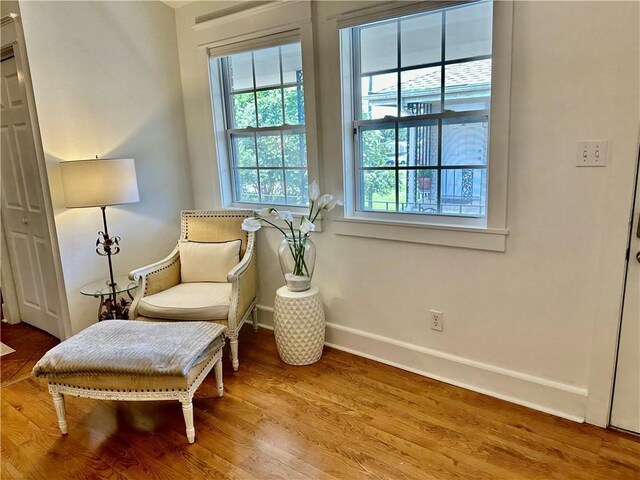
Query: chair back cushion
215	226
207	262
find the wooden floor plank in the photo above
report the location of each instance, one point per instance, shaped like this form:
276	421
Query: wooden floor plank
29	344
345	417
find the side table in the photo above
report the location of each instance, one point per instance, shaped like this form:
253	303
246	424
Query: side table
298	321
101	289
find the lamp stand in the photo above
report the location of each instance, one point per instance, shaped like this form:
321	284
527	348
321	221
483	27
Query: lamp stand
105	247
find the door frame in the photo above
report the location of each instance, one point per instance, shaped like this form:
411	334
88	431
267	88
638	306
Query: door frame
12	40
606	333
630	257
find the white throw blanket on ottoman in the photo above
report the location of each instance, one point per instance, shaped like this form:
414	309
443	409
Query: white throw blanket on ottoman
131	360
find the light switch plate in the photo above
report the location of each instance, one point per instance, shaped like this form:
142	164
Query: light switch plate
592	154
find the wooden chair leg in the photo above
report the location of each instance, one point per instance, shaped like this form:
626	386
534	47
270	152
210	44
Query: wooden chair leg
187	411
254	314
235	363
217	368
58	403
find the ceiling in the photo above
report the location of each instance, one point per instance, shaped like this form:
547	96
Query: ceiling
177	3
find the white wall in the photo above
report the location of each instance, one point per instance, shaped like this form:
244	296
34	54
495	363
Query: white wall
107	82
519	324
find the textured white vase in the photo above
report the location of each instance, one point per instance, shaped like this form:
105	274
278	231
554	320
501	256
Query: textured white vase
298	321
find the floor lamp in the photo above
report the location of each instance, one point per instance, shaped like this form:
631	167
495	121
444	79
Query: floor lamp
101	183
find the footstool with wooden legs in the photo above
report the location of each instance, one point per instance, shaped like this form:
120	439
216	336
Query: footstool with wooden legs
129	360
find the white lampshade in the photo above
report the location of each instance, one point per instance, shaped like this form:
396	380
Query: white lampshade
99	182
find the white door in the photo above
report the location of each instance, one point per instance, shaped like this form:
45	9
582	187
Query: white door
23	212
625	412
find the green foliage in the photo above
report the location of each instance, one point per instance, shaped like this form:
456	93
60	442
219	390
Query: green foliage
269	152
243	109
270	107
378	147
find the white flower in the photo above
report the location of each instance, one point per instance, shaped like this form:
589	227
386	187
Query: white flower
306	226
324	200
314	191
328	202
265	212
251	224
332	204
285	215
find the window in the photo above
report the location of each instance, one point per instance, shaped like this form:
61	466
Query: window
421	98
265	125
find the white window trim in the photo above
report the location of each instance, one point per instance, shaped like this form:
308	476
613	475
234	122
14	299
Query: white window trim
281	23
478	233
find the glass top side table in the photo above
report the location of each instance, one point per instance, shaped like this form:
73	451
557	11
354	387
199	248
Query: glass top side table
101	289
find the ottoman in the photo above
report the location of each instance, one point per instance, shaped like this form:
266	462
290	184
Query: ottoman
129	360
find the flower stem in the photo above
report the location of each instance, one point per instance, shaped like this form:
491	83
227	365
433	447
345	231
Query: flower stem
273	225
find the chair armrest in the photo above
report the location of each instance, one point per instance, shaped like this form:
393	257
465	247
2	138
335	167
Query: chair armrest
150	269
155	278
240	268
244	280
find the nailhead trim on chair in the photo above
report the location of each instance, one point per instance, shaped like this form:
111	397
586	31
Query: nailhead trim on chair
184	233
159	270
146	394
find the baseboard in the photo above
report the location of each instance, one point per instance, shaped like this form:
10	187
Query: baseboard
549	396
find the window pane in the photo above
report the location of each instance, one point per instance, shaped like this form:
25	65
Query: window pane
464	191
378	190
269	108
467	86
418	191
379	47
378	147
243	110
468	31
272	186
297	187
379	96
269	150
259	159
421	39
246	185
421	91
418	143
244	151
295	150
292	63
240	71
267	65
294	105
465	142
427	165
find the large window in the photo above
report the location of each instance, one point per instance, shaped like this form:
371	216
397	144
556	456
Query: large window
265	125
421	103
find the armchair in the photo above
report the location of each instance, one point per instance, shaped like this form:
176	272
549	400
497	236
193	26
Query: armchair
161	296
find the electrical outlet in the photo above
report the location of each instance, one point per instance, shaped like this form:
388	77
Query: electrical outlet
437	319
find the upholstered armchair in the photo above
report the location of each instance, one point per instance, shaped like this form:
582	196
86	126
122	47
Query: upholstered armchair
163	296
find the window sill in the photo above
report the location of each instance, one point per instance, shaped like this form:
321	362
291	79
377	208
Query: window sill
490	239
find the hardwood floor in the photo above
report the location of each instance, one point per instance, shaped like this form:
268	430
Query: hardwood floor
29	344
344	417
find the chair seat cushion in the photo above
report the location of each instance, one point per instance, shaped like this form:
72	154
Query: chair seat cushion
189	301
